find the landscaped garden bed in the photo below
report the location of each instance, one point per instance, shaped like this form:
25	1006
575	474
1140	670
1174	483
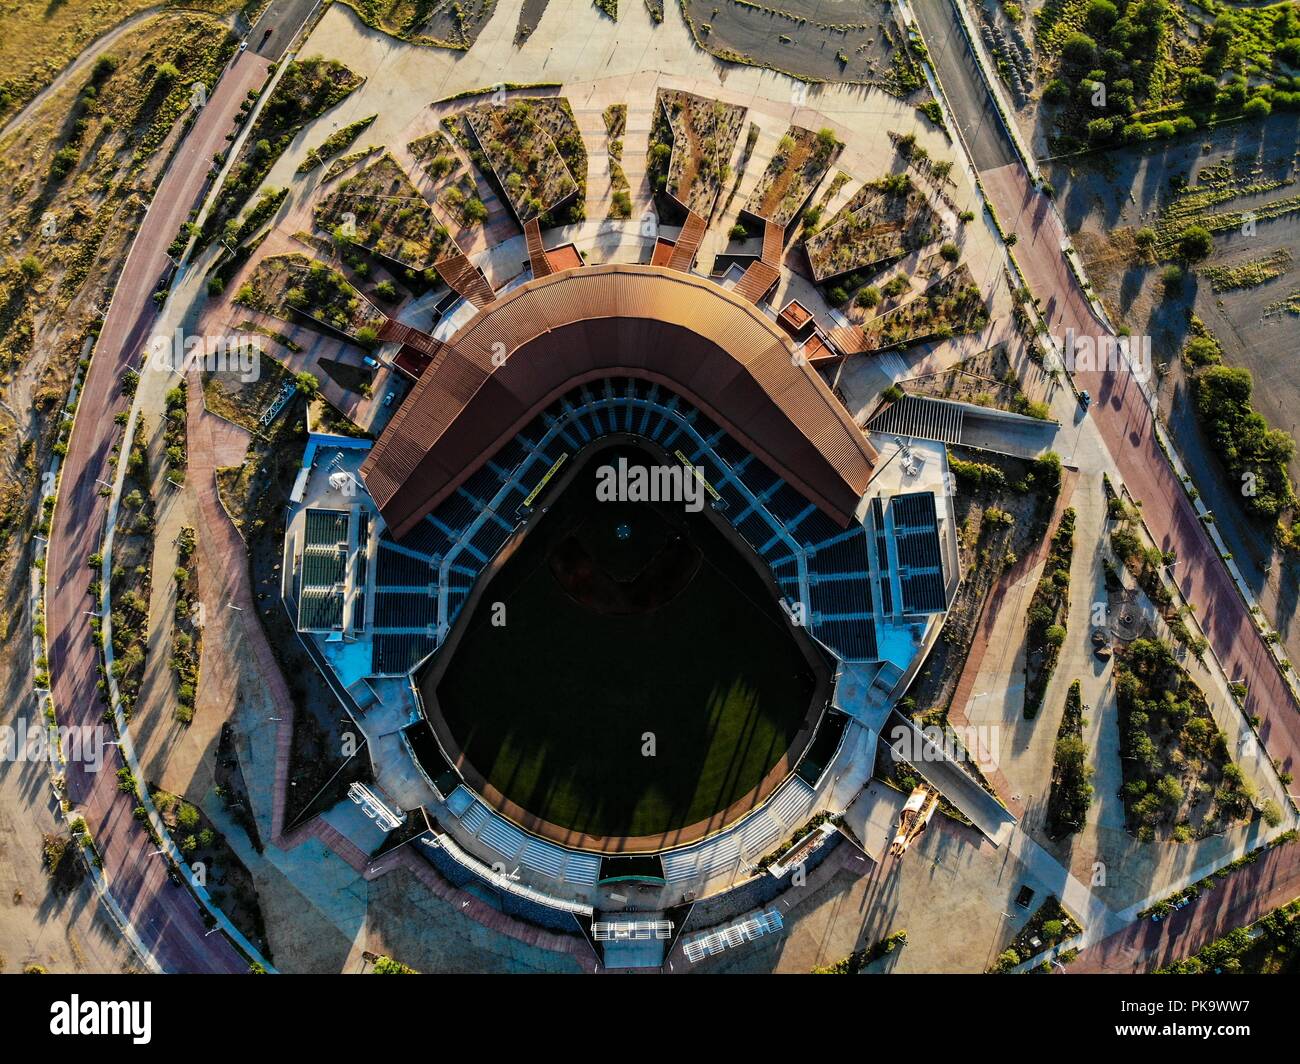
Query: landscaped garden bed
243	402
1046	616
307	89
1071	794
187	626
987	379
380	210
884	220
132	575
453	186
530	148
335	143
1146	564
285	285
174	433
1178	776
1048	926
620	202
205	848
339	165
701	135
951	306
798	165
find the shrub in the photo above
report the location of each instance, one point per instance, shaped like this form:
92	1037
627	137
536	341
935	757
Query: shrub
1079	49
1257	107
1195	243
1057	91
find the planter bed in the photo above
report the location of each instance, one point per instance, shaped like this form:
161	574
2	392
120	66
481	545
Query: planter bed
704	134
885	220
515	145
949	307
793	173
392	219
285	284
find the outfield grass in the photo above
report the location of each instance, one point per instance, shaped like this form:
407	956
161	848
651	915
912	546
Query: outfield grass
554	707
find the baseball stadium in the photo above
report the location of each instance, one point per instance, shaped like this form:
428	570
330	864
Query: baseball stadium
626	694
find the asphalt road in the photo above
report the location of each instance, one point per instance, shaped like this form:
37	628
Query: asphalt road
282	19
962	83
165	915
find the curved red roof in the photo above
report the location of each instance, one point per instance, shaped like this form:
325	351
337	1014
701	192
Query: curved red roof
553	333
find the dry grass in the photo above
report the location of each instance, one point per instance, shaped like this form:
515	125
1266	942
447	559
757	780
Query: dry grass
74	177
40	38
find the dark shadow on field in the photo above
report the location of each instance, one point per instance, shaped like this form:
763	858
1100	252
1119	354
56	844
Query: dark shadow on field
645	679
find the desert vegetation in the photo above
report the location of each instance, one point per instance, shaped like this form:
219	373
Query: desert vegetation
798	165
380	210
884	220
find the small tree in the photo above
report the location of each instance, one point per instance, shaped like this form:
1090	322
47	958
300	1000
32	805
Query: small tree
1196	243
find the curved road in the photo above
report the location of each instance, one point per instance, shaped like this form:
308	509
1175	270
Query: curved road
165	915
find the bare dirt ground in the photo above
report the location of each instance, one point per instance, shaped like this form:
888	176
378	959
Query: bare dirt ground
835	41
61	932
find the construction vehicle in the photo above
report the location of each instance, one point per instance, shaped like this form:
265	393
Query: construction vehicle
912	819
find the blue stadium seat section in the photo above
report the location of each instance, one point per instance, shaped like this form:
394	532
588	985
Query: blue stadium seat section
324	564
812	560
920	561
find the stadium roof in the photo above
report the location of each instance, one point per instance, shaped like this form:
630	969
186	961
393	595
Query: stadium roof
554	333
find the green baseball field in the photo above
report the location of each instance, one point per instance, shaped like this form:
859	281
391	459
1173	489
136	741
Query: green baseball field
643	679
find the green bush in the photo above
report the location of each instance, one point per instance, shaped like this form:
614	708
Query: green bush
1195	243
